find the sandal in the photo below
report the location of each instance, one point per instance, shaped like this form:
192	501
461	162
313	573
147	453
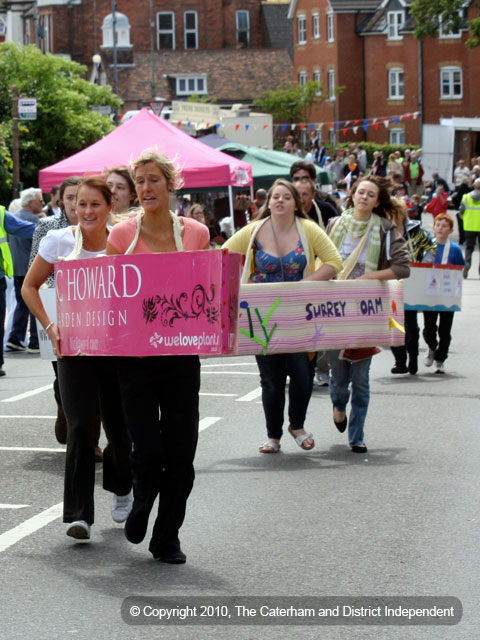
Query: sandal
300	440
269	447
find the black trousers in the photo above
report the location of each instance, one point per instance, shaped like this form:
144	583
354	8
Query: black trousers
412	334
160	400
84	382
471	238
440	346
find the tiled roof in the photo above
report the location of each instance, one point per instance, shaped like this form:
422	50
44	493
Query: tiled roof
233	75
278	29
347	6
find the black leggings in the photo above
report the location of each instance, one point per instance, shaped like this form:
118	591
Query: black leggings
84	382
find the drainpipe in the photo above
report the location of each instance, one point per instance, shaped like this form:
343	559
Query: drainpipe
420	90
364	93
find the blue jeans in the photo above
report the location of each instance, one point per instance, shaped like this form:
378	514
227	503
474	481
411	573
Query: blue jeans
273	377
342	373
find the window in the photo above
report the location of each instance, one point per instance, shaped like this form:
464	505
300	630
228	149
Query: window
243	27
28	28
396	89
447	31
394	24
302	29
302	78
317	77
189	84
166	30
451	84
316	26
331	84
44	31
330	32
397	136
191	31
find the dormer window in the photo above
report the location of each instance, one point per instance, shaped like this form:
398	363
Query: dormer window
395	21
122	31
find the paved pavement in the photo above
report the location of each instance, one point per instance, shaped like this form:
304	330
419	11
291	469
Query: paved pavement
402	520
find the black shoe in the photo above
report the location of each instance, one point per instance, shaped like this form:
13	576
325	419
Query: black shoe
171	554
136	525
341	426
359	448
2	371
413	365
399	368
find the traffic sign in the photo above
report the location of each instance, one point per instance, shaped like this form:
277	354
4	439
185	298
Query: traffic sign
27	108
157	106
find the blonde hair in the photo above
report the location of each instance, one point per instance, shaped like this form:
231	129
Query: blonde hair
172	174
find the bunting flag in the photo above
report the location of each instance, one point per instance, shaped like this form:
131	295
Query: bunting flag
349	125
338	126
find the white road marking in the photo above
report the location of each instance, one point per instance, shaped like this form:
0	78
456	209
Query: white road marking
213	394
207	422
250	396
31	525
27	394
49	450
229	373
13	506
236	364
32	417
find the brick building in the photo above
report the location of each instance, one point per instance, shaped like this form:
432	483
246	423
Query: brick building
368	47
228	49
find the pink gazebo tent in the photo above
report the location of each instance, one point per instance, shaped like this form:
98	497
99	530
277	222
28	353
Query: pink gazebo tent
201	165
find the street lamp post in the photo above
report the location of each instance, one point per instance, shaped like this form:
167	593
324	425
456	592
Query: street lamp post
115	60
333	100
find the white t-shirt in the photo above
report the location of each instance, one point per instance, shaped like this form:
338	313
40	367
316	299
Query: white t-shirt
59	243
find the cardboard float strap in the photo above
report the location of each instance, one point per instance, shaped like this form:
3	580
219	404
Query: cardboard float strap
191	303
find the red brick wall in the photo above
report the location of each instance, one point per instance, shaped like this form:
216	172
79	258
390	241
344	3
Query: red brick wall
343	56
77	31
380	55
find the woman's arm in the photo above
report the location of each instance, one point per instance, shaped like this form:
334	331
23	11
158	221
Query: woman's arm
36	276
111	251
326	272
384	274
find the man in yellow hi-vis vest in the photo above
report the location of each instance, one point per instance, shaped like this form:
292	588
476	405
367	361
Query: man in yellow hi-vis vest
470	214
9	224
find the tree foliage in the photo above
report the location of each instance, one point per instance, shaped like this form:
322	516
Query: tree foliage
291	102
429	14
65	122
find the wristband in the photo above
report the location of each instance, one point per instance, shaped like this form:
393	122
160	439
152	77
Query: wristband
48	326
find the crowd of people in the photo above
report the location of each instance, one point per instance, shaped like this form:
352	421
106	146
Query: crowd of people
368	227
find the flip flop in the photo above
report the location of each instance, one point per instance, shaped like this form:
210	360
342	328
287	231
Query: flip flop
269	447
300	440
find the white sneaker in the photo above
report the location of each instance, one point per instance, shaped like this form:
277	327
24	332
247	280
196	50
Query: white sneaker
428	360
80	530
439	367
121	507
321	379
